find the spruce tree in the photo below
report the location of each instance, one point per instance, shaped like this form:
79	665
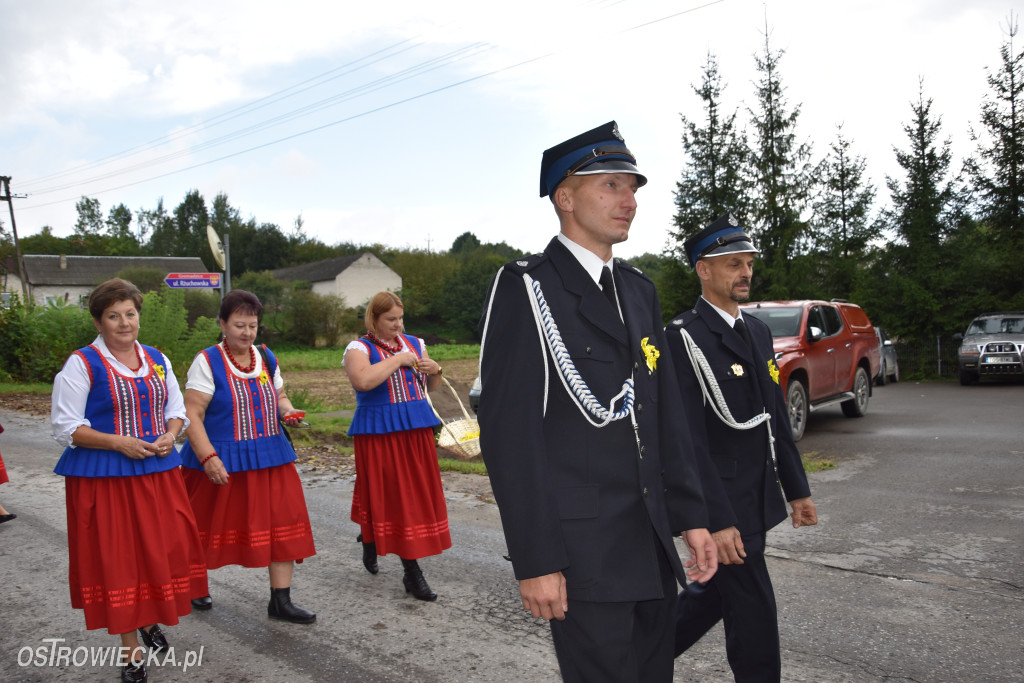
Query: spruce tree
841	226
781	169
712	183
912	277
712	180
997	173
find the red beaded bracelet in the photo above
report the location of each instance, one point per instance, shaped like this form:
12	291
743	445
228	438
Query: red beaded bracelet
211	455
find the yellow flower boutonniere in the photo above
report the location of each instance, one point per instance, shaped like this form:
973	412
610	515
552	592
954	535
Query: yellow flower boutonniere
650	353
773	370
159	370
263	377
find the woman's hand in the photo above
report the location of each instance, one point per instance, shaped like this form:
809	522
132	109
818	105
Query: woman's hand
407	359
164	444
215	470
292	417
428	366
136	449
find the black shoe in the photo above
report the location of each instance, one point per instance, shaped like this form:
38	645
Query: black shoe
415	583
7	517
281	607
134	673
369	555
202	604
155	639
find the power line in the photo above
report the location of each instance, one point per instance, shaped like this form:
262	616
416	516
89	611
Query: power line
353	93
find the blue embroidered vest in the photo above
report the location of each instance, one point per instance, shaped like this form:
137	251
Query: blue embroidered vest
241	420
126	406
396	404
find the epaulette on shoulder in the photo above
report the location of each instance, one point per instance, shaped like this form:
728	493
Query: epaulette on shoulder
627	267
526	263
682	320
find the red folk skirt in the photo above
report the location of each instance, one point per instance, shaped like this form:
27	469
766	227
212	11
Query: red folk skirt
134	552
398	501
258	517
3	472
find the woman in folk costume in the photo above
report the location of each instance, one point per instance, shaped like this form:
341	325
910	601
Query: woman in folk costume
5	516
398	501
135	560
239	466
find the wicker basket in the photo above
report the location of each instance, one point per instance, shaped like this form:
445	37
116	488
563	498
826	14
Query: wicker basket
461	437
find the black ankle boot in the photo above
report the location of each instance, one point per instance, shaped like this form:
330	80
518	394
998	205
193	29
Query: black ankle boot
415	583
134	673
369	555
154	639
281	607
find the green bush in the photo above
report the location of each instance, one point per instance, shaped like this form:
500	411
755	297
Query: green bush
163	324
36	340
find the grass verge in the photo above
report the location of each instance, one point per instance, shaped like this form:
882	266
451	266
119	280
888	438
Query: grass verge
16	388
463	466
813	462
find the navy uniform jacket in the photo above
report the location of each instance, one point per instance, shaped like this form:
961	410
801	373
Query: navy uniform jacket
573	497
739	482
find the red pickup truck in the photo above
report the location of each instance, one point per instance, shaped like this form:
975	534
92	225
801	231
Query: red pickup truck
827	353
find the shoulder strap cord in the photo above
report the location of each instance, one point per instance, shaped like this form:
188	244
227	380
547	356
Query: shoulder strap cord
574	385
483	340
713	394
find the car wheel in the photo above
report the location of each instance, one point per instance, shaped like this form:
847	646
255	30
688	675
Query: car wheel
967	377
883	376
858	405
796	405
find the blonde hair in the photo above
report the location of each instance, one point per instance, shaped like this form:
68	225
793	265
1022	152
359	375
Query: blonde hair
381	303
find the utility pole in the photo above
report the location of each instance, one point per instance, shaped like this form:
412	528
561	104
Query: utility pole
5	181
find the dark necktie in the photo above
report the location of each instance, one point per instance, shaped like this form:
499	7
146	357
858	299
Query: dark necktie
741	327
608	286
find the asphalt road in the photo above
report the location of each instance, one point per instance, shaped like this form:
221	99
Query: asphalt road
914	573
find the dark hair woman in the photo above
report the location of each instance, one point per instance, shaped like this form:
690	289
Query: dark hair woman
398	501
239	466
135	560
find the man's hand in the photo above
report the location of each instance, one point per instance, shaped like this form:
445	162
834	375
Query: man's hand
804	513
730	546
544	596
703	562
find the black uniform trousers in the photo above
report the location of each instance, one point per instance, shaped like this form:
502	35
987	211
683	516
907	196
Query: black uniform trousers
618	642
741	596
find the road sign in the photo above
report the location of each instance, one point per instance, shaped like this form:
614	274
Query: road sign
192	280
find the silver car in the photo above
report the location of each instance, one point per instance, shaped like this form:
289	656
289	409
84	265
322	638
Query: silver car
992	347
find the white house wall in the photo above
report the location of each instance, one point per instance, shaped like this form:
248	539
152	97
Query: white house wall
70	293
364	278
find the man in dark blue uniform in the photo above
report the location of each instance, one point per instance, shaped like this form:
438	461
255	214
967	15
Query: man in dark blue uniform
590	464
729	382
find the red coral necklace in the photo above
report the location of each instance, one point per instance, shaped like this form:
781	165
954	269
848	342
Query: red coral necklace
138	357
383	344
252	360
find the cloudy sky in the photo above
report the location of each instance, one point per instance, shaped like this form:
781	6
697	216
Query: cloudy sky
409	123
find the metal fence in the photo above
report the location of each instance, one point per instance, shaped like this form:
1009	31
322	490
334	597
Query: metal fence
927	361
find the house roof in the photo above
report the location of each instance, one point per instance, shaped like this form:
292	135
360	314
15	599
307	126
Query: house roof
318	271
89	271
